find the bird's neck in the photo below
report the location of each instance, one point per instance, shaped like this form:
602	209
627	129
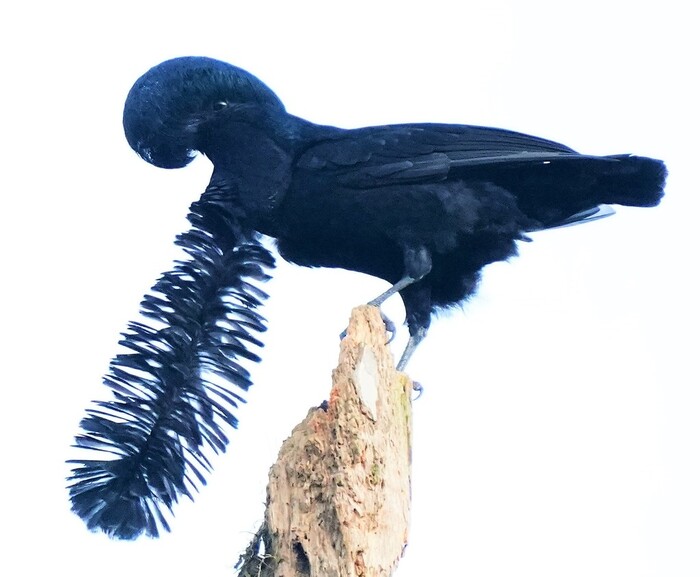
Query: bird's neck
254	157
254	165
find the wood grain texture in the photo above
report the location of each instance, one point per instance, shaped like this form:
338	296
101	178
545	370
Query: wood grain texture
339	494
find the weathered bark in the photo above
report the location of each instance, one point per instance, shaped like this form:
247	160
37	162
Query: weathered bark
339	495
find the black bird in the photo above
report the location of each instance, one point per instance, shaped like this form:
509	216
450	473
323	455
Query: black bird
422	206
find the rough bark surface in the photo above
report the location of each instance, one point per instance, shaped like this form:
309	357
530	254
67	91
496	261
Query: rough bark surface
339	494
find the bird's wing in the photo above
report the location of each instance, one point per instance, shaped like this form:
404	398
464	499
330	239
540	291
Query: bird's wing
385	155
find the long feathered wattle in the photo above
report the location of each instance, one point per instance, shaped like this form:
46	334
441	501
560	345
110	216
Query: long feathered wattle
170	395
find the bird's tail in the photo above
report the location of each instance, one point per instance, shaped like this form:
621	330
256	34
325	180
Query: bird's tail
631	181
170	399
576	189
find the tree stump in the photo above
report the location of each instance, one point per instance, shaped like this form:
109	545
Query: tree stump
339	494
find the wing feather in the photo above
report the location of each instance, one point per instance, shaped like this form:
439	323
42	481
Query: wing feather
399	154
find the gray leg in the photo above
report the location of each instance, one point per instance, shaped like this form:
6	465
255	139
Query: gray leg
417	263
399	286
411	346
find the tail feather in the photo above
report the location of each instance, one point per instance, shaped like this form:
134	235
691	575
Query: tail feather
632	181
589	215
571	188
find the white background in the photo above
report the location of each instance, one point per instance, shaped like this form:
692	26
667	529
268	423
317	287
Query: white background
558	434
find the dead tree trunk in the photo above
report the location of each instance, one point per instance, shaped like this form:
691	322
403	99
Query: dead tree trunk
339	494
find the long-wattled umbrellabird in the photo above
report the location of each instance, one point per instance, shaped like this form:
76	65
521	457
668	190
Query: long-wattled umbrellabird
422	206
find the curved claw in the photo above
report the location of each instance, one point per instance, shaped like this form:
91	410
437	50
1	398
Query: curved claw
390	326
388	323
417	388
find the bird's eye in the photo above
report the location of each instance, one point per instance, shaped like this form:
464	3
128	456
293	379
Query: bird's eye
219	105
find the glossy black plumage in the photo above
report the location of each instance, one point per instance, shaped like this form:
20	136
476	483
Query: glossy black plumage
423	206
148	443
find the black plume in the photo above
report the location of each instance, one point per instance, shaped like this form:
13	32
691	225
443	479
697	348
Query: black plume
170	399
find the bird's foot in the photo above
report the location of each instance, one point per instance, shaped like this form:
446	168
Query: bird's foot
388	323
418	389
390	326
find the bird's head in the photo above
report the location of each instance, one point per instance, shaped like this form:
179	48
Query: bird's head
167	107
